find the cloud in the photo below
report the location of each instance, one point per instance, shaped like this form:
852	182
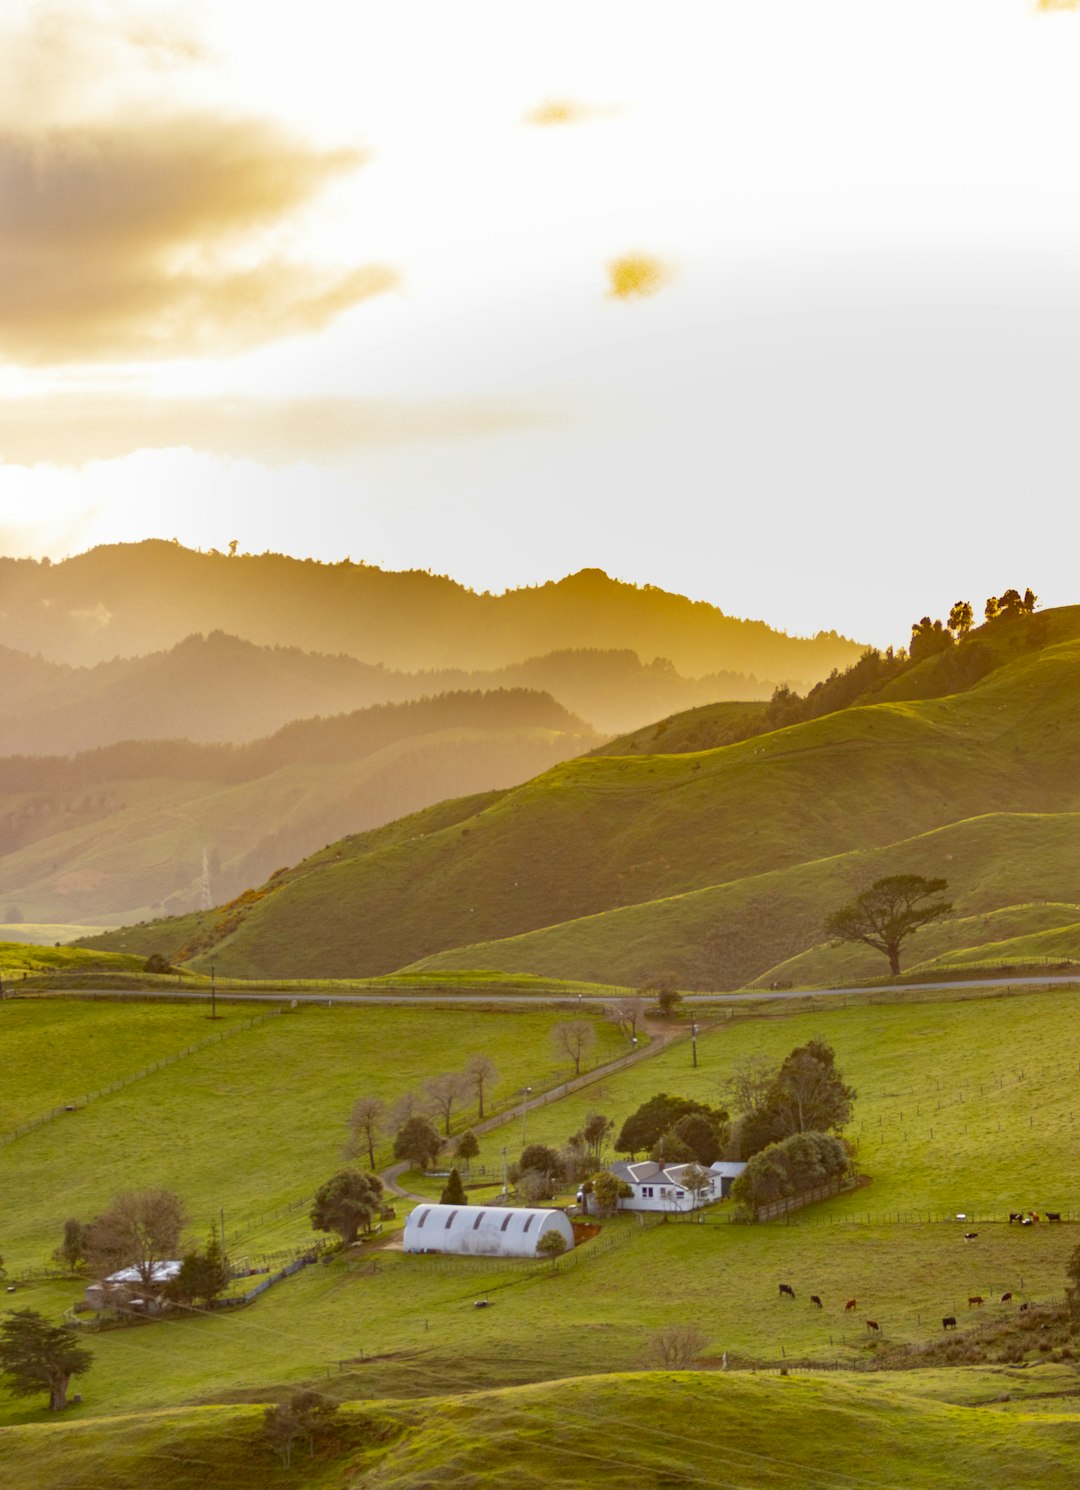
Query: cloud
153	238
557	111
1057	4
636	276
75	428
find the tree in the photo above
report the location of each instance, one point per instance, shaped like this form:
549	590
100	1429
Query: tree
443	1094
575	1038
365	1124
961	618
480	1073
36	1356
675	1348
791	1167
551	1245
705	1137
417	1142
889	912
626	1015
73	1249
669	1149
607	1190
696	1180
659	1116
347	1202
540	1157
928	638
596	1132
141	1229
453	1191
157	963
808	1094
467	1147
668	1000
202	1276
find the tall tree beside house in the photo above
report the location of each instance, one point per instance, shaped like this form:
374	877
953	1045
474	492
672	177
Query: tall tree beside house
140	1230
36	1356
480	1075
203	1276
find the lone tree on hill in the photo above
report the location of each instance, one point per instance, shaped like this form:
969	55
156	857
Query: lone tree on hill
36	1356
890	911
348	1201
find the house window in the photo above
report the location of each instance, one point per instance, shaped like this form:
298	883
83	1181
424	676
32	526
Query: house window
679	1194
647	1190
664	1190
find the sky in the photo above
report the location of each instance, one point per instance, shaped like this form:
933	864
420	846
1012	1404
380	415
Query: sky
776	305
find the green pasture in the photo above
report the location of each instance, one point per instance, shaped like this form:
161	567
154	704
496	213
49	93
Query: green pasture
19	958
249	1125
641	1431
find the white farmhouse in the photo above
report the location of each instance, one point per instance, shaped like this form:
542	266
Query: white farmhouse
483	1231
659	1187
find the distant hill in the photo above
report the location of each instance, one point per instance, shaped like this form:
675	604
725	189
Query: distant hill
142	828
712	867
219	687
131	599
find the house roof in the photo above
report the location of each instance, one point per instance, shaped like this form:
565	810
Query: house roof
161	1272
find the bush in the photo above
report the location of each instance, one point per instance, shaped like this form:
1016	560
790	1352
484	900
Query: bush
791	1167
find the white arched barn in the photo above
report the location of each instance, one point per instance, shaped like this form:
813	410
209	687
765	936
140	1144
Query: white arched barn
482	1231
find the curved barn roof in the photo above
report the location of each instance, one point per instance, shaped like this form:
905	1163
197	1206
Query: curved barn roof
484	1231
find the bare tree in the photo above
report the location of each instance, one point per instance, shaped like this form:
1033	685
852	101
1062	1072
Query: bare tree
747	1088
480	1072
626	1015
366	1122
408	1105
575	1038
676	1347
443	1094
596	1132
140	1230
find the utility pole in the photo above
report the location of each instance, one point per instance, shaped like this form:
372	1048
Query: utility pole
213	993
693	1040
506	1183
524	1111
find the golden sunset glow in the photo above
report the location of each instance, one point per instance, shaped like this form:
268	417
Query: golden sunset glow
636	277
559	111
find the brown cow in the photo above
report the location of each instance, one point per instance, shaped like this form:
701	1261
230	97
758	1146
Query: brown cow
872	1324
1006	1298
850	1304
815	1300
975	1298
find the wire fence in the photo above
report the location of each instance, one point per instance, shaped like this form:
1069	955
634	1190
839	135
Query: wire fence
86	1098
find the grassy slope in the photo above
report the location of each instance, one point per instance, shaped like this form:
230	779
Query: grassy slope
595	834
133	861
647	1430
250	1124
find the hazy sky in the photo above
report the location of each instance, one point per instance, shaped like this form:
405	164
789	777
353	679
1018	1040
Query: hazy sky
775	304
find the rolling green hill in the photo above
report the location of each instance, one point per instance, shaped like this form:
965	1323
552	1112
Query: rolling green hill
713	867
128	831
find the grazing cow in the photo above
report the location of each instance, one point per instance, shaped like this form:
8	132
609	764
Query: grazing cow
786	1291
1053	1215
1026	1221
850	1304
872	1324
1034	1215
1024	1308
949	1322
1016	1216
969	1236
974	1299
815	1300
1006	1298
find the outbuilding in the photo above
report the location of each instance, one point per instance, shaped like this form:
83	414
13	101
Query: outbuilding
483	1231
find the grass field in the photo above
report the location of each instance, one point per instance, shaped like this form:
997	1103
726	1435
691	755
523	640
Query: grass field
248	1125
714	866
938	1430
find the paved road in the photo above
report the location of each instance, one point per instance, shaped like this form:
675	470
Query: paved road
755	995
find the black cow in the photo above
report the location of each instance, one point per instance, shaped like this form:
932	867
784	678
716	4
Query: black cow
949	1322
872	1324
815	1300
1053	1215
786	1291
969	1236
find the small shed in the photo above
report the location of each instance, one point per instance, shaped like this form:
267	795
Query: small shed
483	1231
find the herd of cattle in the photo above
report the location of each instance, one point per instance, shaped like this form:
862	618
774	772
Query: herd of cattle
975	1300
